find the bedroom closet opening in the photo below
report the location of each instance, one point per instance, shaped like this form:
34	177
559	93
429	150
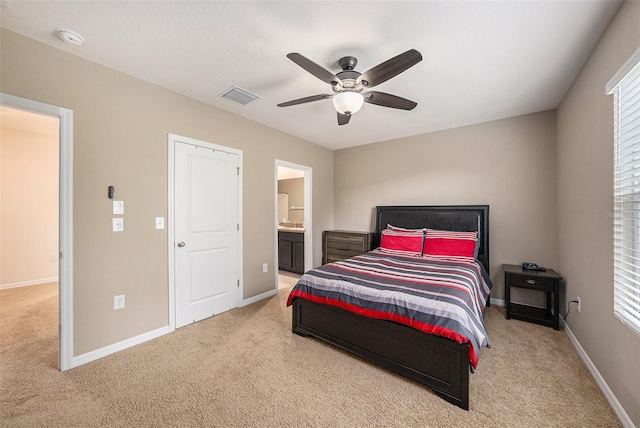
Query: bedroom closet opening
293	223
29	237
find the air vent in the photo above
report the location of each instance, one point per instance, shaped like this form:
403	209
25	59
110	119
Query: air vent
238	96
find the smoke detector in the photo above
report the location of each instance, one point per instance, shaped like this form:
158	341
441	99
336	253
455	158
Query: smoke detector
70	36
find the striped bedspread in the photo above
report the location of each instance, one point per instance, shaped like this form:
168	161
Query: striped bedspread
445	298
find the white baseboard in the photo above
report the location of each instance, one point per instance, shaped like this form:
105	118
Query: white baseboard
119	346
259	297
112	349
28	283
497	302
625	420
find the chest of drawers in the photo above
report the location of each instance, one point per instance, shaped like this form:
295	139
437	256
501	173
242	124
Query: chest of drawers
342	244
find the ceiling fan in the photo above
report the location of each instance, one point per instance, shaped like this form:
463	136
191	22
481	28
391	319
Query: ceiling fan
348	85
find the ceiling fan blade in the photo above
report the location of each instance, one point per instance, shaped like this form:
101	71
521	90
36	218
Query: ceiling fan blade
388	100
343	119
305	100
390	68
313	68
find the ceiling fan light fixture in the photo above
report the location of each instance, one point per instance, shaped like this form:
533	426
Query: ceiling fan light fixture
348	102
348	84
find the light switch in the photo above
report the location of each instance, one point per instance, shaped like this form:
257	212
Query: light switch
117	224
159	222
118	207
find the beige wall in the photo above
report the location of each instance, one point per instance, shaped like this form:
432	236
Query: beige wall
294	187
120	138
29	201
585	181
508	164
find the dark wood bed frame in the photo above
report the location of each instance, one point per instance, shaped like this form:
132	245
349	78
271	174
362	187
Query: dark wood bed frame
437	362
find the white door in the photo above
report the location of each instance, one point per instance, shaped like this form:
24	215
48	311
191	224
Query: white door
206	232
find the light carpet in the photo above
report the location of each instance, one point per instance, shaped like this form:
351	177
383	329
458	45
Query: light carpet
245	368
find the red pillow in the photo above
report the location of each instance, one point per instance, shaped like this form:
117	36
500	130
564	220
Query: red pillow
402	229
402	243
450	245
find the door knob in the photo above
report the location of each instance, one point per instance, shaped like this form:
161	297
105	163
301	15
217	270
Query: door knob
181	244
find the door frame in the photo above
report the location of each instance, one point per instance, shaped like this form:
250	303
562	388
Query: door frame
172	139
308	210
65	220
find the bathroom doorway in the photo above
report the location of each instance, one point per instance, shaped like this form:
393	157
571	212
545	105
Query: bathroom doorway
293	224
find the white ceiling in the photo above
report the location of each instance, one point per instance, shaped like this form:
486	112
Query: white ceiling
482	60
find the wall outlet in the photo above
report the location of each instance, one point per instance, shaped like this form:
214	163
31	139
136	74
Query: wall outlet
579	303
265	267
118	302
53	257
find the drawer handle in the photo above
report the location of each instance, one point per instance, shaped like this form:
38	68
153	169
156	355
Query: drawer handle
530	282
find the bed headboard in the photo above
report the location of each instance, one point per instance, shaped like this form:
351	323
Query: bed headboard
459	218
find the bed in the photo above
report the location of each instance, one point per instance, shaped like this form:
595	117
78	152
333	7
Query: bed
442	363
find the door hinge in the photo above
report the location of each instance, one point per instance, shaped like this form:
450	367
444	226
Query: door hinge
238	227
238	170
238	283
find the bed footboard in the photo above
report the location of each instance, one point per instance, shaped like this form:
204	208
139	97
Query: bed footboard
437	362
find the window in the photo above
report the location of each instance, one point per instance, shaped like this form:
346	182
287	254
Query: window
625	87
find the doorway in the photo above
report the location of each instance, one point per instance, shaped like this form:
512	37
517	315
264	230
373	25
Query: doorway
293	220
61	254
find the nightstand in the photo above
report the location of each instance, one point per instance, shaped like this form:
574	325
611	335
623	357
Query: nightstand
547	282
341	244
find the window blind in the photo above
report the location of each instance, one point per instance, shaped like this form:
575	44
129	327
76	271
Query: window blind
626	195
